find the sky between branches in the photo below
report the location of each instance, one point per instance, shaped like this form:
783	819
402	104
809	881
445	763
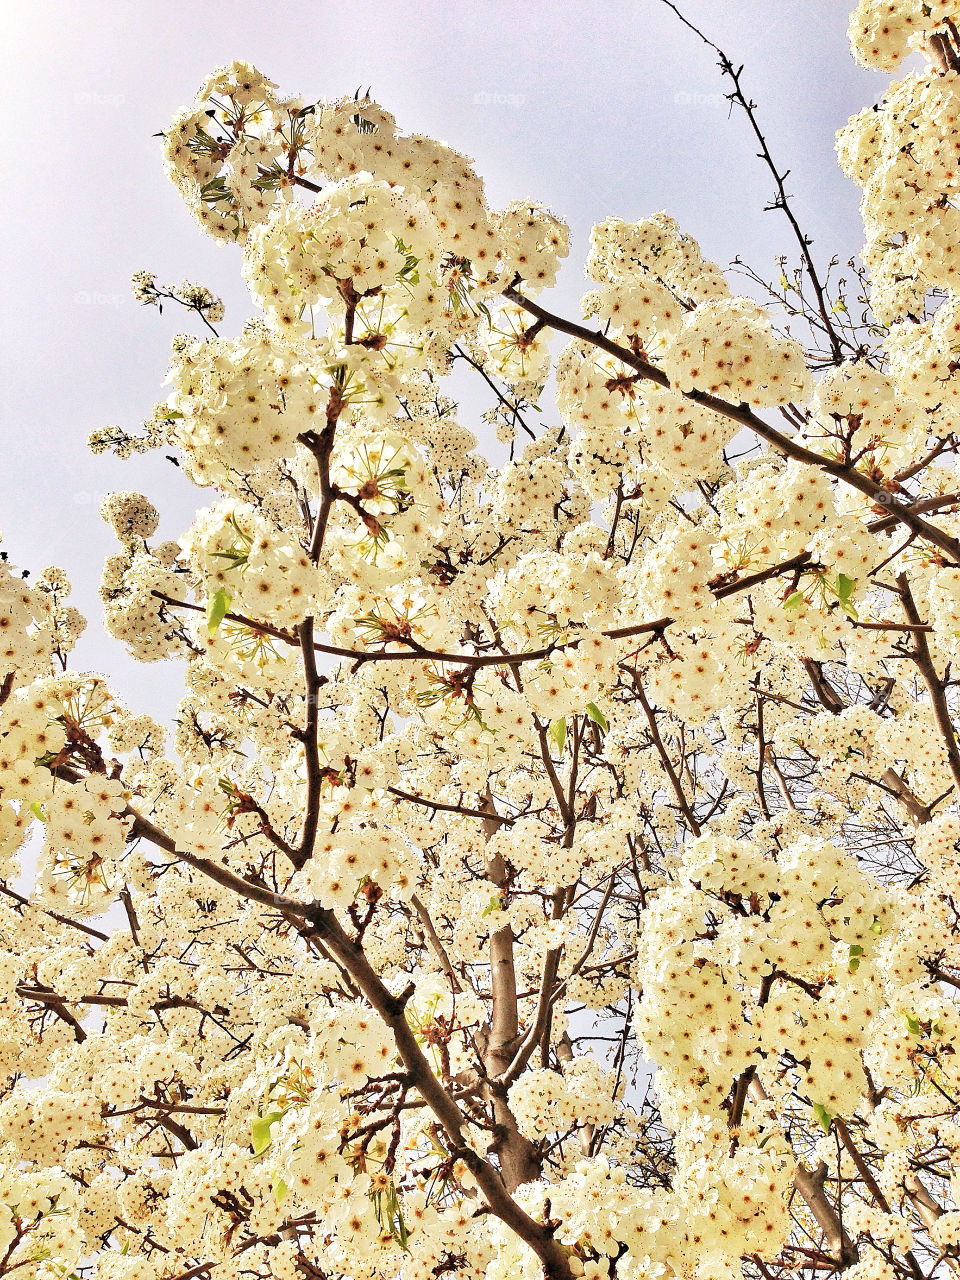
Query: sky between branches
603	108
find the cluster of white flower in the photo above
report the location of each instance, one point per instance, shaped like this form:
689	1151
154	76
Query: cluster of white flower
228	154
494	785
27	622
904	155
727	347
883	31
197	297
859	403
39	1226
738	953
545	1102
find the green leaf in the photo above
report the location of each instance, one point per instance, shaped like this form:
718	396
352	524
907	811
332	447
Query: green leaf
36	810
260	1131
400	1233
845	588
217	610
558	732
856	951
597	716
794	601
279	1190
494	905
913	1024
822	1116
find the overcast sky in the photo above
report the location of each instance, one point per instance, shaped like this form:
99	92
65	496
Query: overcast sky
595	107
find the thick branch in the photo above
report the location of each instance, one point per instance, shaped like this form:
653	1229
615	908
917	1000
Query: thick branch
391	1009
310	748
938	697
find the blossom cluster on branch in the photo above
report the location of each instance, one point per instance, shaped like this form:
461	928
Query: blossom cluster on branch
552	868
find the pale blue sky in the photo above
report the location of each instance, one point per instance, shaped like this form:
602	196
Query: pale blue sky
598	108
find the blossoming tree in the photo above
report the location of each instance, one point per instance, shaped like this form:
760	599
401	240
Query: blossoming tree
554	867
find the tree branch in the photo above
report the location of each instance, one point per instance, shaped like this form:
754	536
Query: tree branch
745	416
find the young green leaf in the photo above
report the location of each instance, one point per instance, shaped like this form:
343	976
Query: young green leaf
597	716
822	1116
217	610
845	586
260	1131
